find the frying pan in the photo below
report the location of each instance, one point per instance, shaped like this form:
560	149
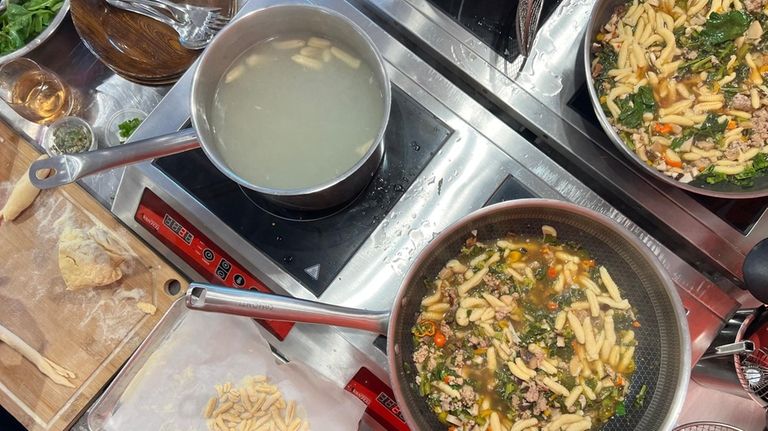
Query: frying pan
601	13
236	38
663	351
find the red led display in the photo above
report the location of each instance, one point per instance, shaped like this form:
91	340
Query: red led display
199	252
379	398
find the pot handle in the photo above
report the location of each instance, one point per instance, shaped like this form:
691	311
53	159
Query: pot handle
746	346
69	168
250	303
755	271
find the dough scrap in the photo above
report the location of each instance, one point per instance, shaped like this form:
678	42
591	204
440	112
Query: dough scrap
89	258
23	194
57	373
146	307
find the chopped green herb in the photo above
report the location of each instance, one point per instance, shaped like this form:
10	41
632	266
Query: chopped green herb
729	91
640	398
711	128
746	178
724	27
621	410
679	141
715	40
635	105
742	73
71	139
569	296
533	333
549	239
627	138
607	58
127	127
622	320
506	386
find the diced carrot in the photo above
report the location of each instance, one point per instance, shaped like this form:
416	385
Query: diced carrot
672	159
662	128
551	272
635	324
619	380
446	379
731	125
551	306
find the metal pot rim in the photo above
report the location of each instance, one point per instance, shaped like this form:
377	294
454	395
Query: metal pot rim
681	321
616	139
378	140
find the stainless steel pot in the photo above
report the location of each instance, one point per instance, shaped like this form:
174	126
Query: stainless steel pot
228	45
601	13
663	350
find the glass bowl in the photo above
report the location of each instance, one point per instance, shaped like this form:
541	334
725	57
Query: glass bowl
63	123
112	132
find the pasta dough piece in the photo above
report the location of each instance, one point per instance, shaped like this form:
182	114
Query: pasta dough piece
57	373
146	307
23	194
89	259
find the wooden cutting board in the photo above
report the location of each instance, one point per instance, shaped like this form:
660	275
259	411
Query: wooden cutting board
91	332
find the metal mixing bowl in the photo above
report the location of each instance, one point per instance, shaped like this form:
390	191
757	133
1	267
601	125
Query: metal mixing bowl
40	38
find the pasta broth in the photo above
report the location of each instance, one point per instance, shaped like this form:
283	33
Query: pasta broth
523	332
289	115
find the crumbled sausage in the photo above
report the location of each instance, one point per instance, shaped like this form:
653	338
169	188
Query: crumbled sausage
759	128
754	5
421	354
532	394
741	103
541	406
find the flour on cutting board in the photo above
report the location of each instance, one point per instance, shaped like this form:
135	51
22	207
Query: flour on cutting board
106	313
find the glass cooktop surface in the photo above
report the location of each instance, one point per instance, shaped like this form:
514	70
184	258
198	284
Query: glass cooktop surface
492	21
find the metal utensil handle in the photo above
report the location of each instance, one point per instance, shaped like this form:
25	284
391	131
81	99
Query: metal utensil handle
143	10
71	167
731	349
250	303
178	13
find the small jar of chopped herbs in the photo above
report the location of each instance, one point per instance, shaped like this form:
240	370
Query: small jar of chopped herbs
69	135
121	126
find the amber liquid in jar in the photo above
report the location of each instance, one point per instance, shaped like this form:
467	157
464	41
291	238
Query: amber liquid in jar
43	98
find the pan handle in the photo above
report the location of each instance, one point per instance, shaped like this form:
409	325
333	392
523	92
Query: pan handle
250	303
755	271
69	168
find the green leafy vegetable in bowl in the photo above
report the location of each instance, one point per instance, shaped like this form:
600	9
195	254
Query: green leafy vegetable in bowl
22	22
127	127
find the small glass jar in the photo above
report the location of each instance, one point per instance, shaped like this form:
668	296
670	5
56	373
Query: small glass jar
55	131
112	131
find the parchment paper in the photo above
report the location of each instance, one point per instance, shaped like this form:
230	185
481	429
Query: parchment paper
204	349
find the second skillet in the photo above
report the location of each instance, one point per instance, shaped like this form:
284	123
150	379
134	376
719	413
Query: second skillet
601	13
663	351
